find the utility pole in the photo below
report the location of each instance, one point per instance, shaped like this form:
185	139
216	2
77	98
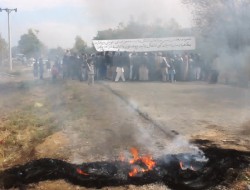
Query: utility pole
9	33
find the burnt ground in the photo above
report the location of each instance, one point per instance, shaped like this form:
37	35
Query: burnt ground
78	123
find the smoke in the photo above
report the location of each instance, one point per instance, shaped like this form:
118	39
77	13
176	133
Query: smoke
224	31
133	103
88	18
102	13
35	5
152	141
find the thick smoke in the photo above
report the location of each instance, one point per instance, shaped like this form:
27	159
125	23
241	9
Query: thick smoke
223	30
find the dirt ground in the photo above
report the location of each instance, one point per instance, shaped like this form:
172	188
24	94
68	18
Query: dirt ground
73	121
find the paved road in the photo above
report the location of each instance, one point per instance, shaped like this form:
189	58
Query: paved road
188	108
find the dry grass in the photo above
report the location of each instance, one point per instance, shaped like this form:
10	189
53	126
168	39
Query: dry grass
30	111
20	132
242	182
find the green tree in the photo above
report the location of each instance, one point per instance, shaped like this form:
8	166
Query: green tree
30	45
79	46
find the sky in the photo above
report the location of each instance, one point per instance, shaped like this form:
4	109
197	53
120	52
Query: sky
59	21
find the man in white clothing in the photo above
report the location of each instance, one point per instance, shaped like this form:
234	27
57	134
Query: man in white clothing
119	63
119	74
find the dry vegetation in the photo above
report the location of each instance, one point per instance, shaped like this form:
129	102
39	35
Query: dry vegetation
31	111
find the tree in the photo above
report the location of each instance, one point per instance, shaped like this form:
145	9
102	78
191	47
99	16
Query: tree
3	50
134	29
79	46
30	45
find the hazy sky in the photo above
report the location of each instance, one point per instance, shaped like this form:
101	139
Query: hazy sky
59	21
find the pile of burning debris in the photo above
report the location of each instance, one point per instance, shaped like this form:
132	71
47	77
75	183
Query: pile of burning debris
178	171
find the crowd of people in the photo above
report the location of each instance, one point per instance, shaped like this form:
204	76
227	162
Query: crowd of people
136	66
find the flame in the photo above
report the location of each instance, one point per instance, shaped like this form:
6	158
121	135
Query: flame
79	171
135	154
185	168
133	172
147	160
182	166
192	168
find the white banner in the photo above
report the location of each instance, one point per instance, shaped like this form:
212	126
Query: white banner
146	44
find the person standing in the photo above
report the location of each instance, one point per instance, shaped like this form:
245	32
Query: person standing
41	68
119	69
171	70
185	67
136	66
98	70
151	66
54	72
48	65
197	67
164	69
126	64
65	64
91	70
73	66
107	62
158	66
35	69
214	73
79	68
131	63
178	67
84	70
143	69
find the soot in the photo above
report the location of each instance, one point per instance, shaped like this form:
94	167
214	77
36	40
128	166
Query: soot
180	171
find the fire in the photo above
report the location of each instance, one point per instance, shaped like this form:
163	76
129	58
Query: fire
182	166
133	172
79	171
192	168
135	154
185	168
147	160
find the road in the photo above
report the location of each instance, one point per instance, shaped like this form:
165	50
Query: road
102	121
